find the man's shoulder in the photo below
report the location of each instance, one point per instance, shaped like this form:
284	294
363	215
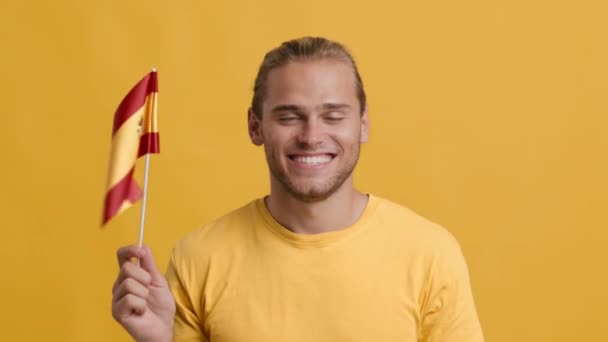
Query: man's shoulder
223	231
405	224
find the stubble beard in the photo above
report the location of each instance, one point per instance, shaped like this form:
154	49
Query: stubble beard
315	192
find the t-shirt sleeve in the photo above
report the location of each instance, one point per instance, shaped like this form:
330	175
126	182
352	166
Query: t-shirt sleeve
187	325
449	314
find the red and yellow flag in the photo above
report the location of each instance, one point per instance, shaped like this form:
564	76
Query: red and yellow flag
134	134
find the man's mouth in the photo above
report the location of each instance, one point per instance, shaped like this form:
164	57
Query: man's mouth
312	160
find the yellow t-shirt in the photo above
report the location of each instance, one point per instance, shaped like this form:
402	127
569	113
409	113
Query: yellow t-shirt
392	276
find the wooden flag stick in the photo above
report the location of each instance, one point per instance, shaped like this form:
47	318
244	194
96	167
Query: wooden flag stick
144	202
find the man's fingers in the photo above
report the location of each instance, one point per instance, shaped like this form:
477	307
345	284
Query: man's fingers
127	253
148	264
147	274
127	306
131	270
131	286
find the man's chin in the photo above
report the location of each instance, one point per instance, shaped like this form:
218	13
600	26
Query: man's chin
310	198
311	195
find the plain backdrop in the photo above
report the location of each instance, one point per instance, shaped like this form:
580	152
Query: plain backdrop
488	117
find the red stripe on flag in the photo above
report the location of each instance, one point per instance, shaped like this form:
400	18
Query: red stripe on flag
125	190
149	143
135	99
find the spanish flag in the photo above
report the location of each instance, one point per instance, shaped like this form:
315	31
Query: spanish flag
134	134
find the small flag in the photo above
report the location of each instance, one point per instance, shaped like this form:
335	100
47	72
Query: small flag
134	134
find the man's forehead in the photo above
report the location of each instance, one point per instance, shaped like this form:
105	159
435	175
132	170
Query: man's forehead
321	78
307	66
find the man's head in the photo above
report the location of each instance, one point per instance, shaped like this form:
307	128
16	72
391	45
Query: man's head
310	115
303	49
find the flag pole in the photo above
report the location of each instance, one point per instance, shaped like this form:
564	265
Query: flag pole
144	202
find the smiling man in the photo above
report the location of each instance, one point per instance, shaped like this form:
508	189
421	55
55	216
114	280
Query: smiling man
315	260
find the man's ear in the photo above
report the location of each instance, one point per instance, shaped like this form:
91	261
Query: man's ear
364	126
254	125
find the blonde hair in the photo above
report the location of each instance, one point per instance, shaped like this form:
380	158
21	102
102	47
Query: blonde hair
305	48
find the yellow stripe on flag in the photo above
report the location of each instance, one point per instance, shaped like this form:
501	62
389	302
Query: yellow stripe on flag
125	145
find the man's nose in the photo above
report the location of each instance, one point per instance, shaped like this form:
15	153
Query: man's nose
311	134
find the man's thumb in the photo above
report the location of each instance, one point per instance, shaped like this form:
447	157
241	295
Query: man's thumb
148	264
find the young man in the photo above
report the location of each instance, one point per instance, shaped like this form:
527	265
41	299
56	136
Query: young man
316	260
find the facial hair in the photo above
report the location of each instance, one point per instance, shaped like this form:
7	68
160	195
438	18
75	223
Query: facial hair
315	192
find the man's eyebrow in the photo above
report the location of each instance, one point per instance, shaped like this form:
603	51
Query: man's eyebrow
327	106
286	108
296	108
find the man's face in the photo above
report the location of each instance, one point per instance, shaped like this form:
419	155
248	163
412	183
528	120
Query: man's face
311	127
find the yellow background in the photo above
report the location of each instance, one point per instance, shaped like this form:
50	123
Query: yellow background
489	117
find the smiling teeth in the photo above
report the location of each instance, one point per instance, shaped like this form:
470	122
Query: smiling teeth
313	160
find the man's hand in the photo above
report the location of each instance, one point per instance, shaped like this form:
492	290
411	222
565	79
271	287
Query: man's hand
141	299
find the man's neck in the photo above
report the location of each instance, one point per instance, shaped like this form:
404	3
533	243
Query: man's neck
338	211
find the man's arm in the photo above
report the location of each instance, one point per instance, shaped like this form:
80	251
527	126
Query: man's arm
187	325
449	313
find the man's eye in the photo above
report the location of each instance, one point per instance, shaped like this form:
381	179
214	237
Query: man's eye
334	115
334	118
289	118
